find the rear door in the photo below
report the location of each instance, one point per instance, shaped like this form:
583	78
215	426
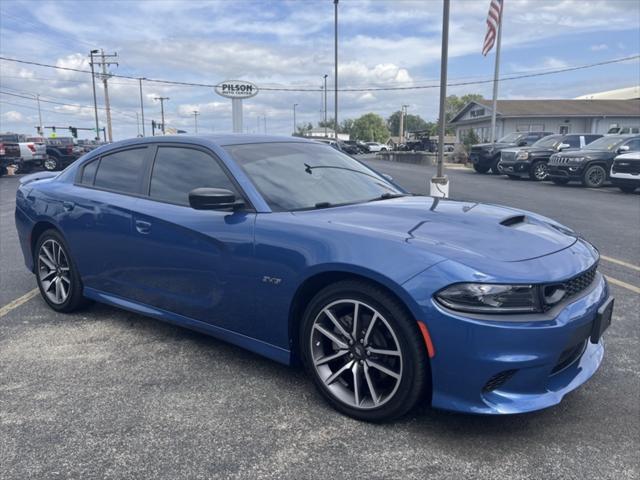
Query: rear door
99	214
196	263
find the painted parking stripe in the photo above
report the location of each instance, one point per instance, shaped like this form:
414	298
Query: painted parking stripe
622	284
18	301
621	262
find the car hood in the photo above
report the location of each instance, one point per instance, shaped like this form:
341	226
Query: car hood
453	230
587	153
531	150
486	146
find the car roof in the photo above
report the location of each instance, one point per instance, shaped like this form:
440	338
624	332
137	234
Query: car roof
221	140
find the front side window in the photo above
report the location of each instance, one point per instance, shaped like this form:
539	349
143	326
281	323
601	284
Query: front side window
634	145
178	170
550	141
121	171
573	141
89	172
511	138
297	176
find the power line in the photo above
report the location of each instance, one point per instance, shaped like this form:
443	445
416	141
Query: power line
365	89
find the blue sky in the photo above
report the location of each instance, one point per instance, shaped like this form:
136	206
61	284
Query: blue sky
290	43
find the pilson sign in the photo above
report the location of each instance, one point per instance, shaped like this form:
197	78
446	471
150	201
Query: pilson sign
236	89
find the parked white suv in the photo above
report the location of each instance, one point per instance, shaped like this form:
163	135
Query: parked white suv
377	147
625	171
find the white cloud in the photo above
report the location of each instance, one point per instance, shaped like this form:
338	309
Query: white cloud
599	47
12	116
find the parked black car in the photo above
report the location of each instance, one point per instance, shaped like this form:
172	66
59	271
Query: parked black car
486	156
591	165
531	162
625	172
351	147
61	152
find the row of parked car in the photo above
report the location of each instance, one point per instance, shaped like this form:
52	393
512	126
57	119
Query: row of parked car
590	159
27	153
354	147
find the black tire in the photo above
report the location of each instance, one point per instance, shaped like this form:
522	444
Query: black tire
74	299
594	176
51	163
538	171
3	171
627	188
25	167
560	181
414	378
495	166
481	168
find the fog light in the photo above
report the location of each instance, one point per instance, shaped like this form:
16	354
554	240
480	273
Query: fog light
573	169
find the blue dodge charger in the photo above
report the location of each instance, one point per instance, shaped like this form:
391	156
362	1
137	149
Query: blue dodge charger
300	253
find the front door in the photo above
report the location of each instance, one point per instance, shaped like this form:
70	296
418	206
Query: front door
192	262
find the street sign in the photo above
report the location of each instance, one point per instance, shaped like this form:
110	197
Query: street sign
236	89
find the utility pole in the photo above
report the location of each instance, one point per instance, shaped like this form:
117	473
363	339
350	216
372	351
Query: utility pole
401	126
405	123
105	78
335	11
39	115
95	101
440	183
195	118
325	105
162	99
138	123
294	117
141	106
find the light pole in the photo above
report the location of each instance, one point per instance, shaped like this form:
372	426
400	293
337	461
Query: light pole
335	11
162	99
294	117
141	105
325	104
404	123
95	101
40	129
440	183
195	118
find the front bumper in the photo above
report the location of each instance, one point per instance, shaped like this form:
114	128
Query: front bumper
520	169
498	367
625	179
569	172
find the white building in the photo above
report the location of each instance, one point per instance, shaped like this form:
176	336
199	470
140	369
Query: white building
628	93
321	132
555	116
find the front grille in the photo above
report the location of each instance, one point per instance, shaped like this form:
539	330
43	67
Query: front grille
497	380
626	166
557	160
569	356
508	156
581	282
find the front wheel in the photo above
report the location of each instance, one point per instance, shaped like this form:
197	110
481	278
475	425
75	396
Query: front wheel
539	171
56	274
51	163
364	352
480	168
594	176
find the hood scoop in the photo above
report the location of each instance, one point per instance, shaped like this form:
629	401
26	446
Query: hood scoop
513	220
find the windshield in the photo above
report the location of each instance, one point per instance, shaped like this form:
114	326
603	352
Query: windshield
297	176
549	141
511	138
605	143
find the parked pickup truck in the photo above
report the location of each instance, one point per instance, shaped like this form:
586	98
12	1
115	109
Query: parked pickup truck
61	151
486	156
9	152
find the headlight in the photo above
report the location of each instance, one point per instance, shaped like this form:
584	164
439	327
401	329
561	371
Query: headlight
578	159
522	155
490	298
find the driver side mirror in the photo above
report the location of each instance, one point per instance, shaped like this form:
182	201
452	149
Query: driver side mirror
562	146
623	148
205	198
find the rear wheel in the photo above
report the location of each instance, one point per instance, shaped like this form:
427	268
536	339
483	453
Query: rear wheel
56	274
560	181
364	352
538	171
480	168
594	176
51	163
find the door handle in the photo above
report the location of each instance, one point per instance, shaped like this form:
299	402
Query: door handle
143	227
68	206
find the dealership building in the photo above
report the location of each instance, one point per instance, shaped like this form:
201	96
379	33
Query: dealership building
556	116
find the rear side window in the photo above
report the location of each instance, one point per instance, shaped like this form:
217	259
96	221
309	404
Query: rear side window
178	170
89	173
121	171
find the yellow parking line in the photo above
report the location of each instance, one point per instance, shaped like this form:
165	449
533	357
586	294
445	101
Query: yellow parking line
620	262
18	301
622	284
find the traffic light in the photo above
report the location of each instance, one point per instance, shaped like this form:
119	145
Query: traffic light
74	132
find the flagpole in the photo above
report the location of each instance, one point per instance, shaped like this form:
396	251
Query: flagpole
496	74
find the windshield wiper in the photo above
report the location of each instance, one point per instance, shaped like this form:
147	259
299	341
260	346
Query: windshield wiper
387	196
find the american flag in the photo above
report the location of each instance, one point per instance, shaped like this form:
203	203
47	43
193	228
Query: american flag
493	20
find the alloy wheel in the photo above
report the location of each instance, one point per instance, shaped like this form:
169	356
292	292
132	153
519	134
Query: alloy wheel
54	271
50	164
540	171
356	354
596	176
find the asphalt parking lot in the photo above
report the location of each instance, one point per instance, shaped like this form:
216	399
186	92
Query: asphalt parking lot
108	394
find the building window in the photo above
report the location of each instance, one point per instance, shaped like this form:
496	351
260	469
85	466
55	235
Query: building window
564	129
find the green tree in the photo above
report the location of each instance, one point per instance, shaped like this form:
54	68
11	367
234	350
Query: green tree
346	126
470	139
302	130
413	123
370	127
455	103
